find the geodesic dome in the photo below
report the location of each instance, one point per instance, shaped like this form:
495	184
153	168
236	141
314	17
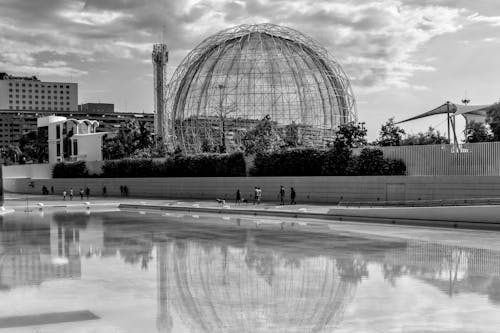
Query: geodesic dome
238	76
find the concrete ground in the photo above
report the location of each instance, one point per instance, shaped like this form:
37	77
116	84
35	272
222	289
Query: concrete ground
473	217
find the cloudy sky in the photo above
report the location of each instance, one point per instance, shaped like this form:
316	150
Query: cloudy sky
403	56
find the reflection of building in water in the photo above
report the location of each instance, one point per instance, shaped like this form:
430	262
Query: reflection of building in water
32	255
452	269
224	288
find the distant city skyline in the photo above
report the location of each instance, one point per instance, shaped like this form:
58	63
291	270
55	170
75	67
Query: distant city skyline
403	56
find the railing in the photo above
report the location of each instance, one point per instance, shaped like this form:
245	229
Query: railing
472	159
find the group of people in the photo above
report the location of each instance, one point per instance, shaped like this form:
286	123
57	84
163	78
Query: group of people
82	192
45	190
258	195
124	190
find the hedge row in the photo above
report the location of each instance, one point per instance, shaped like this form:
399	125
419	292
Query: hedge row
213	165
298	162
70	170
336	162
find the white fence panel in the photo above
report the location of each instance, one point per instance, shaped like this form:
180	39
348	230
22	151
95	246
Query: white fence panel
472	159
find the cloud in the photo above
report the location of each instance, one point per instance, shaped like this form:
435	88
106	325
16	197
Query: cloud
375	41
492	20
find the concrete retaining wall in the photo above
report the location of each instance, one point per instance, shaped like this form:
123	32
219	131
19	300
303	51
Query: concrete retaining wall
38	171
309	189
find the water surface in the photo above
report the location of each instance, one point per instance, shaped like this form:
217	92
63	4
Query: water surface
137	272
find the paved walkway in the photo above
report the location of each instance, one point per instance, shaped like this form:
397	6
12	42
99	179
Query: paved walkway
476	217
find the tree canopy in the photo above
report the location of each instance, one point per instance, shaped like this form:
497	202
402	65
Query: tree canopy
430	137
390	134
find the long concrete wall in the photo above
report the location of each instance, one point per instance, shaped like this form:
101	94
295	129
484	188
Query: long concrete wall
38	171
309	189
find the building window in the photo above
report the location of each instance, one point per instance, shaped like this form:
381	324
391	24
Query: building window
24	96
17	84
29	85
58	149
48	97
10	90
10	84
17	102
75	147
58	131
17	90
10	102
24	85
10	96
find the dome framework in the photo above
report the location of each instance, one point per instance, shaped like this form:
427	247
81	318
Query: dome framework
238	76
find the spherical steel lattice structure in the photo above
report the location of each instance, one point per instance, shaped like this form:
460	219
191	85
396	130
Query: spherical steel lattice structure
238	76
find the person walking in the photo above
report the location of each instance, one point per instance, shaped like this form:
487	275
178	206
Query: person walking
87	192
282	195
64	195
81	194
238	197
104	191
255	195
259	195
71	194
292	196
121	190
52	189
125	190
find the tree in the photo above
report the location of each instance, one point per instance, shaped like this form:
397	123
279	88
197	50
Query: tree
263	138
431	137
337	159
34	146
478	132
133	138
292	138
390	134
493	120
352	134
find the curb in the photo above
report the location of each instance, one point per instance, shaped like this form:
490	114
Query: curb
479	225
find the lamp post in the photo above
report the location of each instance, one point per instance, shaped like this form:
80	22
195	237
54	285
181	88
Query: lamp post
448	117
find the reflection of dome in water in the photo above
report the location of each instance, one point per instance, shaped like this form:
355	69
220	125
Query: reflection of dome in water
239	75
229	289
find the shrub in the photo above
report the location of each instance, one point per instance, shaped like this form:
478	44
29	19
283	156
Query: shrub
371	162
70	170
294	162
338	161
204	165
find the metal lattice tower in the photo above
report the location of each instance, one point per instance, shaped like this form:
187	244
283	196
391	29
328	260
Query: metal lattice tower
162	119
236	77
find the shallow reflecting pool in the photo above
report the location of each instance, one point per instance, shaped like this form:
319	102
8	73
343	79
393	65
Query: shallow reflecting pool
151	272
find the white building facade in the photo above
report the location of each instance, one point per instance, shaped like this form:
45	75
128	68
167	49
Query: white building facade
71	140
29	93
